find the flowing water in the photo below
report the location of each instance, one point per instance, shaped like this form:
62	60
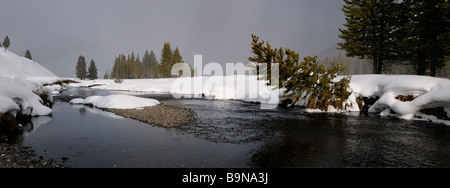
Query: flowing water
234	134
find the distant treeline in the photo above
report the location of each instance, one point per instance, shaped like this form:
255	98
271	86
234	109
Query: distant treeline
132	67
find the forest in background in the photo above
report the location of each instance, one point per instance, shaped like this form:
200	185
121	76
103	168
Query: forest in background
398	34
355	66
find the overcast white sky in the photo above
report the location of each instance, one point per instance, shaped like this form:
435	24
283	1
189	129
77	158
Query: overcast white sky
58	31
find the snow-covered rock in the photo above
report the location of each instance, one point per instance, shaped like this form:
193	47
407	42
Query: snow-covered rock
116	101
430	92
14	96
21	80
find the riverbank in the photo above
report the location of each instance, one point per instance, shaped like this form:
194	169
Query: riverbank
160	115
16	156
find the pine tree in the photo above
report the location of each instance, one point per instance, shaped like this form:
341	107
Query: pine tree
426	34
28	54
177	58
164	68
369	31
92	73
6	43
445	37
81	68
306	80
123	67
136	67
263	54
153	65
146	64
106	75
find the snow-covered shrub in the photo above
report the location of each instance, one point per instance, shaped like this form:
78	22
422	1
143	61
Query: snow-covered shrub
318	85
307	80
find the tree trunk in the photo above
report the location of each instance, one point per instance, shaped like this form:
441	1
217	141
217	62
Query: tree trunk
421	68
432	68
374	65
380	66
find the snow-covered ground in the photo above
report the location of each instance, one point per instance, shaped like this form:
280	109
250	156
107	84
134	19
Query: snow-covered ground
20	80
431	92
236	87
16	67
116	101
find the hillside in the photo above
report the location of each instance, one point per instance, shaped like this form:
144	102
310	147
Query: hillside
14	66
21	86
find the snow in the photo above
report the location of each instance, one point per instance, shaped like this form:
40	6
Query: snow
118	101
430	92
20	79
14	96
14	66
235	87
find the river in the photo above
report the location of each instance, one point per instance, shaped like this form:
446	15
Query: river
234	134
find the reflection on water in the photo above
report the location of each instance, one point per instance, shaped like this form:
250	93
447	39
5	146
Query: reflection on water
27	127
363	141
236	134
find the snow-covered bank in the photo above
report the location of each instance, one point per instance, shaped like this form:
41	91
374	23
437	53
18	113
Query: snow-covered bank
15	97
245	88
430	92
21	81
116	102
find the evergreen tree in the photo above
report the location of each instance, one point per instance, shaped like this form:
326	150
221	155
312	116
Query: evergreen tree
149	64
106	75
263	54
153	65
6	43
120	67
446	36
306	80
368	32
115	72
146	64
28	54
92	73
177	58
81	68
136	67
426	34
164	68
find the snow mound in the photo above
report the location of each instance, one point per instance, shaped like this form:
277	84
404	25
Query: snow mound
430	92
116	101
15	97
14	66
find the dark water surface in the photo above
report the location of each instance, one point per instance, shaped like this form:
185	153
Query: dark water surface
235	134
